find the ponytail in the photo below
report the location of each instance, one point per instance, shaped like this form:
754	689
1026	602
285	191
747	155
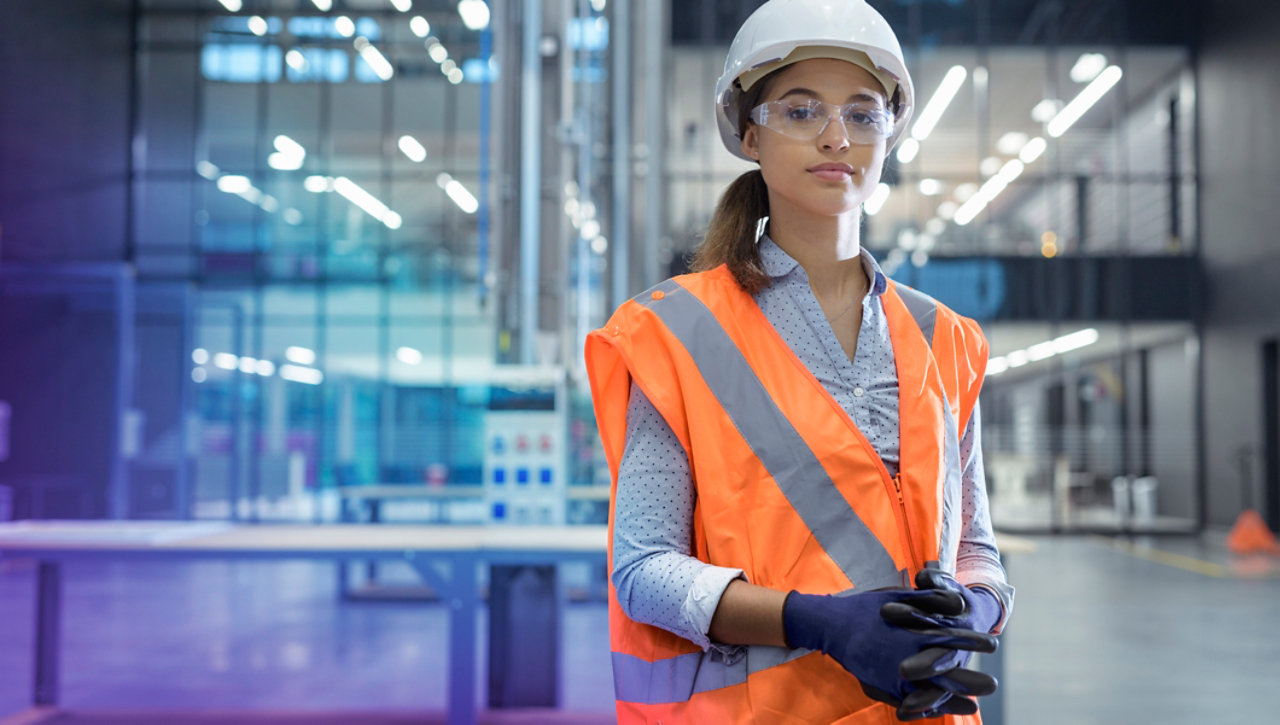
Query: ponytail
731	237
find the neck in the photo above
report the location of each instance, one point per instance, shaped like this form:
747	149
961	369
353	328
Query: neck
828	248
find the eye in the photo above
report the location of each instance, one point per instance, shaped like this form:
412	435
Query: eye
865	116
801	112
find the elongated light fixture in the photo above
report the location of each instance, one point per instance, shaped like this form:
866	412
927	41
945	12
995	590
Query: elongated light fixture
937	105
376	60
1079	105
354	193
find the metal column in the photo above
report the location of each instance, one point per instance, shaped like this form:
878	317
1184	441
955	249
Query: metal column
530	176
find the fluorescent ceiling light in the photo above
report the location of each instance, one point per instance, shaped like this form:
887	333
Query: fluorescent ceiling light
1041	351
265	368
207	170
474	14
599	245
456	191
1010	171
345	27
437	52
403	6
456	76
300	355
317	184
292	216
234	184
408	356
323	5
297	374
908	150
232	5
296	60
376	60
199	356
934	109
1088	66
199	375
420	26
1033	150
875	202
1045	110
257	25
935	226
248	364
411	147
352	192
288	146
590	229
598	5
1075	340
1079	105
284	162
226	361
947	209
1011	142
989	166
930	187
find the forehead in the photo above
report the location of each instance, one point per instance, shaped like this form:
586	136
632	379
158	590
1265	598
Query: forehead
832	80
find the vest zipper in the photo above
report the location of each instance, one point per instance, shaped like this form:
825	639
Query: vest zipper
906	523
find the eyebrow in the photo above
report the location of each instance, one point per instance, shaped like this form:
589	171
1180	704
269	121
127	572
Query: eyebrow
854	97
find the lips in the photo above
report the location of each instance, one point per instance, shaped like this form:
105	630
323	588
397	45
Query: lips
832	171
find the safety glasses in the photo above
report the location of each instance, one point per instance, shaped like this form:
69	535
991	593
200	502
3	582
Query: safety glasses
864	123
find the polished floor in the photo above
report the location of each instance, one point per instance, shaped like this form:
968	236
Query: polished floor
1105	631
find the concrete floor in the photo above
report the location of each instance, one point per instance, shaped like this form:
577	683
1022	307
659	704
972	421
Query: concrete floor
1170	631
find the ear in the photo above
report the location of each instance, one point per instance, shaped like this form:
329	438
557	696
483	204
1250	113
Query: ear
751	142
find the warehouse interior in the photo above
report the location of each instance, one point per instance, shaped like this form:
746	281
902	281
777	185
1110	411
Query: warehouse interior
301	263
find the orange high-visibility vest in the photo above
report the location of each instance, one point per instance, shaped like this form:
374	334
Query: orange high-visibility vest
788	489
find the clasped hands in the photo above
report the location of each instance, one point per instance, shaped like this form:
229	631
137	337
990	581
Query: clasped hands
907	647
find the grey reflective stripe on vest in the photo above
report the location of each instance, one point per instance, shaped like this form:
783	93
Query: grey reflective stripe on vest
922	307
679	678
774	440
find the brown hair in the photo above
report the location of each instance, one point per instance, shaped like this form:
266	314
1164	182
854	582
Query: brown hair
731	236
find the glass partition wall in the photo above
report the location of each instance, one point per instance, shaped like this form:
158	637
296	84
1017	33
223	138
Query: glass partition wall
376	233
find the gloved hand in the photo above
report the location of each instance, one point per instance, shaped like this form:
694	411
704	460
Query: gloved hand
937	677
947	606
849	628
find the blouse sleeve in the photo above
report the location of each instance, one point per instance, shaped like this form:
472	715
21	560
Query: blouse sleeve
978	560
657	579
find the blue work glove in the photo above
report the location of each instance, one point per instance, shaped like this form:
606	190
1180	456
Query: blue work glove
937	676
849	628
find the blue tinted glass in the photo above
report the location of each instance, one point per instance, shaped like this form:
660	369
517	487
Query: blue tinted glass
241	63
323	64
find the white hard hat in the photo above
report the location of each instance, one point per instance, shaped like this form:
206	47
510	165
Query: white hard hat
768	39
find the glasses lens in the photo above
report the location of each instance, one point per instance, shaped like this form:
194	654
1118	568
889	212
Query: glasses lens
864	123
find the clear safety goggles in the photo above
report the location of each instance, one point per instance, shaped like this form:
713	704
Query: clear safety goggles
864	123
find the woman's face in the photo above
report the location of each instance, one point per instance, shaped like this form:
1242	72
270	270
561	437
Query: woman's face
828	175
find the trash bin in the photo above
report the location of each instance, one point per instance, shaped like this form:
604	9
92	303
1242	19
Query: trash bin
524	637
1144	499
1120	499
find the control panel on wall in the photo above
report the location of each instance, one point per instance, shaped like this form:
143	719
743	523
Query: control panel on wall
524	467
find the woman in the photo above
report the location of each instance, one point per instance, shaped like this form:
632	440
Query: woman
794	440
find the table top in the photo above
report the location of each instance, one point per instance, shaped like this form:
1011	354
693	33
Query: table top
24	538
412	491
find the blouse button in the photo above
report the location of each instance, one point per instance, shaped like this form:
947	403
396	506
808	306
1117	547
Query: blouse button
858	391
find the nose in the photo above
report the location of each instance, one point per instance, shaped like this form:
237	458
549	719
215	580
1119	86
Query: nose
834	136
